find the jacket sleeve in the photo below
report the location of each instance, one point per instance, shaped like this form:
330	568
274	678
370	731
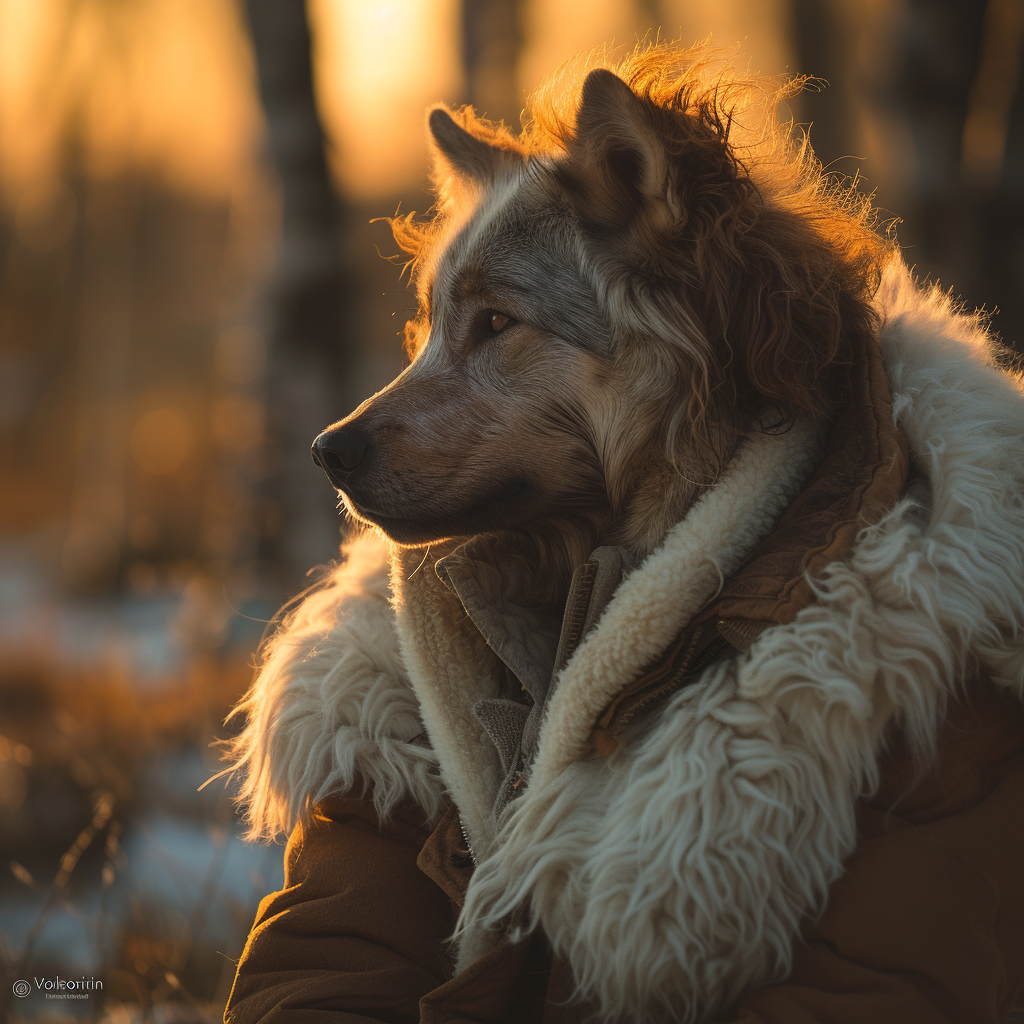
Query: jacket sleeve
356	935
927	924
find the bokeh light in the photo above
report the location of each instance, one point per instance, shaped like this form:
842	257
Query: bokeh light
161	440
379	64
158	84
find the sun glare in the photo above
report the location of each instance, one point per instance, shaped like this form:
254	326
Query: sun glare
379	64
557	31
160	85
167	85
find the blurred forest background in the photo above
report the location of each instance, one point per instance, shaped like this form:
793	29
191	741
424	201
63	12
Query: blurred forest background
191	288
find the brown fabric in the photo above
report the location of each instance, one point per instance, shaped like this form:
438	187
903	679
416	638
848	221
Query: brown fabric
358	932
863	472
507	984
927	924
445	858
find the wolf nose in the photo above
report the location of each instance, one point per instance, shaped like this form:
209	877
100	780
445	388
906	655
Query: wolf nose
339	450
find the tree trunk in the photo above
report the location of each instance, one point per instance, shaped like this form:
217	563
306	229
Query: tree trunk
309	352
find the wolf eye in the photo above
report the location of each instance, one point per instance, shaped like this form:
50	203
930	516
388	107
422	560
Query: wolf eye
487	324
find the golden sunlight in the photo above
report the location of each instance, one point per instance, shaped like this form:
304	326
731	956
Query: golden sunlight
161	440
555	32
759	30
378	65
160	85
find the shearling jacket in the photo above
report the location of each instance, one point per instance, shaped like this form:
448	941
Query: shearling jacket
780	778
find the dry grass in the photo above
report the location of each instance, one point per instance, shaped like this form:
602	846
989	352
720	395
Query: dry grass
95	773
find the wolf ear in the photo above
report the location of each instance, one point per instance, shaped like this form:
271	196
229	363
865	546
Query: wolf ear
464	154
616	140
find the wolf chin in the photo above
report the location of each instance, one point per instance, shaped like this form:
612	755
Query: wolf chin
609	301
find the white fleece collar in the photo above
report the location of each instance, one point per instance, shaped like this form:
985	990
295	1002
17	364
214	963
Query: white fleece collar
524	638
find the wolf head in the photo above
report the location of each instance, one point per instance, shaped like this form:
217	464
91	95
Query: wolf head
609	301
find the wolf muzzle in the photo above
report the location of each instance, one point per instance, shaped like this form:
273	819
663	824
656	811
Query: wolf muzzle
338	451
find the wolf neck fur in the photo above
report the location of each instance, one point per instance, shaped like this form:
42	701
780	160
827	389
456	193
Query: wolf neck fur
644	503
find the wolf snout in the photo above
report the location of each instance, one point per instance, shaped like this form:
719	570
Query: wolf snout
339	450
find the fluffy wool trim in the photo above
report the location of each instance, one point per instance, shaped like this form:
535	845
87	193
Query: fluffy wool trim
331	709
672	876
659	598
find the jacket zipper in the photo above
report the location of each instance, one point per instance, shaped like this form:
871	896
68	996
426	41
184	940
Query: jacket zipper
465	837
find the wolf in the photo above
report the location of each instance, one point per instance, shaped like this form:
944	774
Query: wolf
598	329
673	670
